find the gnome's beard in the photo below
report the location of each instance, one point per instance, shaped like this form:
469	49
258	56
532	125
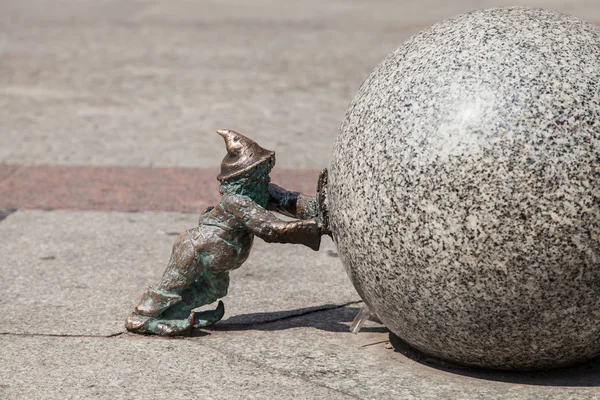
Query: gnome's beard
253	183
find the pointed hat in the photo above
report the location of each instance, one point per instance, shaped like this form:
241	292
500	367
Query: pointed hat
242	154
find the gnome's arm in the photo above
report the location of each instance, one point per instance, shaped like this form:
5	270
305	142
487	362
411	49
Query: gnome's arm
271	229
291	204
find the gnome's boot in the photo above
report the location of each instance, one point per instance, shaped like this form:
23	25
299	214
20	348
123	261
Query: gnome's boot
164	312
160	325
151	315
138	323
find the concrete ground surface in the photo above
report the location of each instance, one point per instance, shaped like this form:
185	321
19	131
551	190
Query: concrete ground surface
107	151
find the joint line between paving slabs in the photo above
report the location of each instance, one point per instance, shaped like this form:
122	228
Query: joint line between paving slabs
60	335
231	325
318	310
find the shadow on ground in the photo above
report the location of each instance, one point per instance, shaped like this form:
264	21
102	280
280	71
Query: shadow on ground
585	374
329	317
6	212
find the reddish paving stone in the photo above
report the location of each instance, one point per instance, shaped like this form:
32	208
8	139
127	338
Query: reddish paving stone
124	188
6	171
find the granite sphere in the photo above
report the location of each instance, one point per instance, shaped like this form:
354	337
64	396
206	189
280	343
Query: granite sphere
464	190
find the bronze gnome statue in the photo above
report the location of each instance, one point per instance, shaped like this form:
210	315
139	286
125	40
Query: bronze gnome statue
198	270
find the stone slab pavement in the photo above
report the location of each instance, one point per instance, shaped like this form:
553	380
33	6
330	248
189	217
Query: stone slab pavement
107	151
147	82
70	277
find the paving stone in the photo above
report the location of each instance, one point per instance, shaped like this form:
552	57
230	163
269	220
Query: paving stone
82	272
139	368
107	82
125	188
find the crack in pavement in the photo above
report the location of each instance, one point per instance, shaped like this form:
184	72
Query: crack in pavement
60	335
222	327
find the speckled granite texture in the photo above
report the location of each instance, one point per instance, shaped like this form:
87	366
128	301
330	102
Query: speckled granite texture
465	189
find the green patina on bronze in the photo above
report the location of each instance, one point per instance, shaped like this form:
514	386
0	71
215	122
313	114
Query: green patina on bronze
254	184
198	270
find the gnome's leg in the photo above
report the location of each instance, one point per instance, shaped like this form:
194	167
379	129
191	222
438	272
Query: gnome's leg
162	310
186	284
207	290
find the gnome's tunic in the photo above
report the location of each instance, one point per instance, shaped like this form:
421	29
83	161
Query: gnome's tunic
198	270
